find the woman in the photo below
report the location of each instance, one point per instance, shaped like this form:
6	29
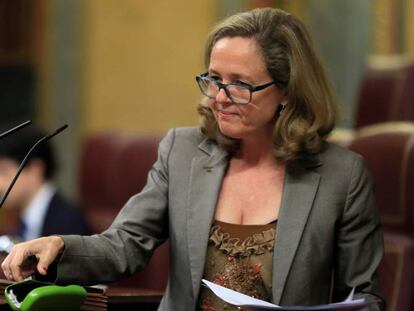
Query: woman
256	200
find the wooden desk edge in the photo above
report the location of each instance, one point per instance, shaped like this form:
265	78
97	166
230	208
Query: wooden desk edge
133	295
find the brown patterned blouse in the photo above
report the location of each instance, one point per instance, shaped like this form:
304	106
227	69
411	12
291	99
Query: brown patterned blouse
238	257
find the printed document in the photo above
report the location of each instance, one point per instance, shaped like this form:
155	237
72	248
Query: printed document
238	299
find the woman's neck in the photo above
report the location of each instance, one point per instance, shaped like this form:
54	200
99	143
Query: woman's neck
256	151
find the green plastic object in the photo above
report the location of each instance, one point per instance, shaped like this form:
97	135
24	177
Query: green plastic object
32	295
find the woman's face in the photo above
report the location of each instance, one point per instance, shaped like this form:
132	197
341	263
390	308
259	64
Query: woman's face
239	60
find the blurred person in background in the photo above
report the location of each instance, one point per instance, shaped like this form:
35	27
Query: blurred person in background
42	209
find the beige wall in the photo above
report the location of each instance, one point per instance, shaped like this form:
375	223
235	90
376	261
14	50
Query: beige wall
393	31
409	28
139	63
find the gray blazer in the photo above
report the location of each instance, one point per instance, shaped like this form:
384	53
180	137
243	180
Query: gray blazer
328	228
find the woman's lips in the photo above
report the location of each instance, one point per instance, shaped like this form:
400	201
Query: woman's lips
226	114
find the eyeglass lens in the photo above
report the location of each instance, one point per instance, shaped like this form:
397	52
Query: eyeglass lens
237	93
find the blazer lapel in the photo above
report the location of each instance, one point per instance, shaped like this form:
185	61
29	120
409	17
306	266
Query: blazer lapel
298	196
207	173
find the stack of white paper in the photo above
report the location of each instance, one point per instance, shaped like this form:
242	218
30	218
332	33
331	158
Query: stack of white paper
238	299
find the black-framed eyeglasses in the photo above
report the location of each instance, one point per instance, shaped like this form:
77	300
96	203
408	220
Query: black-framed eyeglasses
238	93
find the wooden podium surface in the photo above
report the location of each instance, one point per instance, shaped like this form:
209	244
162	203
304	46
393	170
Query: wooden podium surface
133	299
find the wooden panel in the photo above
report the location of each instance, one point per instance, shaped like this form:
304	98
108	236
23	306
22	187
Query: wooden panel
15	20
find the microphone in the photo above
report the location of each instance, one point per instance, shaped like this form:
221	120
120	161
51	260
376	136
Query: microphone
16	128
26	158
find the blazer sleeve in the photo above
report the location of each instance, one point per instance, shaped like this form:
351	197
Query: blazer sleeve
127	245
359	241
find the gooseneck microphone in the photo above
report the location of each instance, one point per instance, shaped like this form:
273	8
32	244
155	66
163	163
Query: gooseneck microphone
14	129
26	158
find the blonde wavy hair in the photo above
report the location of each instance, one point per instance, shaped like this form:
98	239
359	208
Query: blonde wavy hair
291	60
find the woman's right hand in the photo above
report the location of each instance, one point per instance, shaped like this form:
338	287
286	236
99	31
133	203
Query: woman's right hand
17	265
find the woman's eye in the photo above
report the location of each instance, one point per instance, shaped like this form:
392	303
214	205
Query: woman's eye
241	83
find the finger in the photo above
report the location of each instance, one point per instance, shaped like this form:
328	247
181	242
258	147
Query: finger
42	267
6	266
45	260
49	254
16	264
20	262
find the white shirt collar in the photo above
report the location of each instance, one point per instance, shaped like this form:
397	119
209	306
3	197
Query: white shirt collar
34	215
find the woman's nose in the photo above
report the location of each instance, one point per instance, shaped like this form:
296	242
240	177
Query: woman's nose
222	97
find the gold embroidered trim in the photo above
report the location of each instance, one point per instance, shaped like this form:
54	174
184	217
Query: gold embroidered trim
256	244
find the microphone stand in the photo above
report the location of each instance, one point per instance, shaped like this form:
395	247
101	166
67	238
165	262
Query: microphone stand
26	158
14	129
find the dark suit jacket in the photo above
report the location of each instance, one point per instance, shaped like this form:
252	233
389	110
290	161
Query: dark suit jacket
62	217
328	227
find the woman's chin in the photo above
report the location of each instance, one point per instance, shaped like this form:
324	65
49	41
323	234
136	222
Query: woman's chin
231	132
